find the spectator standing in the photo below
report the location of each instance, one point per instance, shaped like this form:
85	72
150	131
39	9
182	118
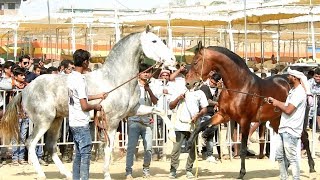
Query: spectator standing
79	114
141	125
67	150
190	106
291	124
18	152
165	90
52	70
212	93
315	89
25	63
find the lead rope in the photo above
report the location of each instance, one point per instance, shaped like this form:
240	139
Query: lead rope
195	145
103	125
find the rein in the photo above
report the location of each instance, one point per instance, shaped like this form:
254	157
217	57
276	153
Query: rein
103	125
265	98
133	78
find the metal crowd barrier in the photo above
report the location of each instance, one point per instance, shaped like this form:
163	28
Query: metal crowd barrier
160	140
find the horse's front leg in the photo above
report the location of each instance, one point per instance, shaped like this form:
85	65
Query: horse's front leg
144	110
108	153
245	127
202	126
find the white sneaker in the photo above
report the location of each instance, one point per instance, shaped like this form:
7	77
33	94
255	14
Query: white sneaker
212	159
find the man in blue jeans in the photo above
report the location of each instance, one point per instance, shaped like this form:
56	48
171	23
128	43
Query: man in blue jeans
291	124
18	152
141	125
79	114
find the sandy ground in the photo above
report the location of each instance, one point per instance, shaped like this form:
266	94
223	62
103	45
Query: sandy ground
256	169
227	169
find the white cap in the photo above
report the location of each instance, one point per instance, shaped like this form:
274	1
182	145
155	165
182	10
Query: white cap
303	79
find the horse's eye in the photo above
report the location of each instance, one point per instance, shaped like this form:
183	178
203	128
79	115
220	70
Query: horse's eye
154	41
195	62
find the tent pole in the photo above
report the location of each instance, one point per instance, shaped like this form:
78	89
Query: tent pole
314	55
231	37
8	39
245	32
15	37
278	43
293	45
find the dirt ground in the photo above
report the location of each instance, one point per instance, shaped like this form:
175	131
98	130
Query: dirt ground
228	169
225	169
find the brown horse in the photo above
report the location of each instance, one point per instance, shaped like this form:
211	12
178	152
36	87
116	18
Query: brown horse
243	97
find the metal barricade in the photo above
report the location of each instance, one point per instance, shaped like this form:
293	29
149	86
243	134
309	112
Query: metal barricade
160	140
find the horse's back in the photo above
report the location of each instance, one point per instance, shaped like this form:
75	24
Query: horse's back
276	86
47	93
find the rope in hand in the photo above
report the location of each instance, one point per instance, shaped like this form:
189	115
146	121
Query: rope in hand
103	125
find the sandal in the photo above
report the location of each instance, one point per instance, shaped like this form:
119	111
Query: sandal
15	163
236	157
22	162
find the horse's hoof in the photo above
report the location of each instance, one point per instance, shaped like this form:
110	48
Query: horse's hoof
240	176
312	170
67	174
107	177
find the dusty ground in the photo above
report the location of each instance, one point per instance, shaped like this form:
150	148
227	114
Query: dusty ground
256	169
228	169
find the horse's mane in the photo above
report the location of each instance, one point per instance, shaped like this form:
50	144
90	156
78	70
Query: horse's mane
114	52
231	55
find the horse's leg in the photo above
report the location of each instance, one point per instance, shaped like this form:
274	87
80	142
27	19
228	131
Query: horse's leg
245	127
262	139
305	140
143	110
51	146
107	154
37	133
202	126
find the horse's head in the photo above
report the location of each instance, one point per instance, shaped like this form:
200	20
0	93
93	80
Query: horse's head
199	70
154	48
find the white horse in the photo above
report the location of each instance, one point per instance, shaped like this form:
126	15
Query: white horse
45	99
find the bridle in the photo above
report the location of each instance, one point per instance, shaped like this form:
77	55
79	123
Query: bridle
265	98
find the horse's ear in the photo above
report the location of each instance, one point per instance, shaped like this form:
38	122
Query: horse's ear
199	44
148	28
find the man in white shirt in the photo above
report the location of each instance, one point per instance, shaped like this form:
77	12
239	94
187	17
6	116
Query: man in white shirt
190	106
291	124
79	114
141	125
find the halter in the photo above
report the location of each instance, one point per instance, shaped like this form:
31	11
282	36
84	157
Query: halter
201	72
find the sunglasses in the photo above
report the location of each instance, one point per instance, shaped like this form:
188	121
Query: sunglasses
25	63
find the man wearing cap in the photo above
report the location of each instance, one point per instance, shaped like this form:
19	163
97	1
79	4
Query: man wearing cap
291	123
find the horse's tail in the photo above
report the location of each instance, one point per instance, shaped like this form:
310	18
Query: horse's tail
9	124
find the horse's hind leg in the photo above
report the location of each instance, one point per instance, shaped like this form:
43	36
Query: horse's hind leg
51	146
37	133
107	154
305	141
